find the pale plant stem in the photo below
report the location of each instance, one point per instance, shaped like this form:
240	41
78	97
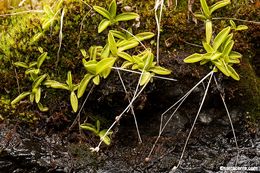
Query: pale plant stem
131	107
193	125
230	120
181	100
119	117
77	119
60	37
137	72
241	20
158	4
22	12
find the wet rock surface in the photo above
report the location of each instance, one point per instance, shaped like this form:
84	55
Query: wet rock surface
211	146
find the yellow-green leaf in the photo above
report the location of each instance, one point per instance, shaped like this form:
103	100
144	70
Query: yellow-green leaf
208	26
160	70
38	81
21	64
112	43
103	25
42	108
146	76
205	8
83	84
20	97
56	84
112	9
37	94
193	58
102	11
233	73
96	80
74	101
41	58
221	37
126	16
218	5
143	36
241	27
127	44
207	47
69	80
235	55
125	56
104	64
106	138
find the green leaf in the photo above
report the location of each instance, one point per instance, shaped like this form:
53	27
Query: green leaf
143	36
222	67
98	125
83	52
205	8
126	64
208	26
105	52
148	61
96	80
215	56
241	27
74	101
127	44
102	11
235	55
34	71
104	64
112	9
118	34
200	16
90	66
146	76
21	64
125	56
56	84
41	58
89	127
106	139
31	64
207	47
233	61
103	25
221	37
160	70
32	96
83	84
42	108
126	16
37	94
204	61
69	80
228	48
233	24
20	97
193	58
218	5
38	81
228	39
112	43
233	73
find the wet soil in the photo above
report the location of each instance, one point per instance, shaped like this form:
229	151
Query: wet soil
211	146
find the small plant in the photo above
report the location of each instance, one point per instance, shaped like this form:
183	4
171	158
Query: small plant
68	86
95	129
33	69
111	16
